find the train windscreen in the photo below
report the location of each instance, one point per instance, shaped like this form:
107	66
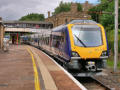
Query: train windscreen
87	36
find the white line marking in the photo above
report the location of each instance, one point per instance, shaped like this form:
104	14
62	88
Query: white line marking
69	75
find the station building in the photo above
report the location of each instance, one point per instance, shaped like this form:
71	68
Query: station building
2	29
73	14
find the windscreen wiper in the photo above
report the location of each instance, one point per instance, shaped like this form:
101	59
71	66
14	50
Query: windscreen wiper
80	41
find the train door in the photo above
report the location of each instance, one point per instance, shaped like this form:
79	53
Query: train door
55	42
63	42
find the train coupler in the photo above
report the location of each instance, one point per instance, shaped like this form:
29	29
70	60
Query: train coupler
91	66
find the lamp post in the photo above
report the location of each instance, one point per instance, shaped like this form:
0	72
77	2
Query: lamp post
116	37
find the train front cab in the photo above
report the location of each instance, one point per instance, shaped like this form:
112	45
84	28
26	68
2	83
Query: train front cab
88	47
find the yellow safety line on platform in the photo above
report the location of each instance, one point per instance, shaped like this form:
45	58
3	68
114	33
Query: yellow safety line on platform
37	84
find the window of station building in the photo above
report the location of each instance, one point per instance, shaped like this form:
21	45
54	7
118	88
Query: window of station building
66	20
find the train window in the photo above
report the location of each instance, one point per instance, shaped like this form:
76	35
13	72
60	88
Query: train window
57	41
87	37
63	37
54	42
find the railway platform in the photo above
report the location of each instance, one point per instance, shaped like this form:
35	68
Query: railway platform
27	68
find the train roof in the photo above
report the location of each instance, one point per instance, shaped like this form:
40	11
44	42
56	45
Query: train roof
88	26
83	21
87	23
59	27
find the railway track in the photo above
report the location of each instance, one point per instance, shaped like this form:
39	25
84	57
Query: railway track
92	84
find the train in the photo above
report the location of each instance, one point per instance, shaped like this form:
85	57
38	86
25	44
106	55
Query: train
80	45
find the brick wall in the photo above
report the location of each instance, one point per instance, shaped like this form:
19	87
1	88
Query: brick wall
1	34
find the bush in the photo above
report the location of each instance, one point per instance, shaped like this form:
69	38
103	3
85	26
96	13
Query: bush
110	37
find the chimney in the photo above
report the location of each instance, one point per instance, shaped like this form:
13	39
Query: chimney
86	6
87	2
48	14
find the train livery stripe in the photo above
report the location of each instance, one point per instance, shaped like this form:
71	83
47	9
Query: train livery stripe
71	36
107	42
68	42
36	78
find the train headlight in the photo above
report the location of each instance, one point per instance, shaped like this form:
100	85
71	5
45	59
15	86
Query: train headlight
104	53
75	54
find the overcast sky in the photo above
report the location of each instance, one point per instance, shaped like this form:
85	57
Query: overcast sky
14	9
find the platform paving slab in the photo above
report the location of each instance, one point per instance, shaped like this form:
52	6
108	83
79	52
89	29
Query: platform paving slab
16	69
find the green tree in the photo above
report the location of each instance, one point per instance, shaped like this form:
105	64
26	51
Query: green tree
107	20
65	7
33	17
98	8
79	7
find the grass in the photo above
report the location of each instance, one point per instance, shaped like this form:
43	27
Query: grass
110	63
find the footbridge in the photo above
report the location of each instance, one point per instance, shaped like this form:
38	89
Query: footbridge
23	30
